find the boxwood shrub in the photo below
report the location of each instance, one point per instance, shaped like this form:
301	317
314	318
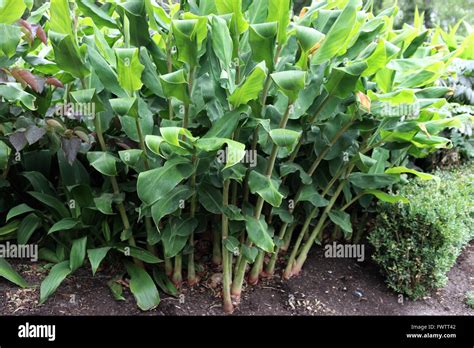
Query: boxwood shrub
416	244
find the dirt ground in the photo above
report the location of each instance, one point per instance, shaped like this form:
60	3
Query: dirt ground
326	287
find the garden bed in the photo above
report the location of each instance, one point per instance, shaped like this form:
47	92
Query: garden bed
327	287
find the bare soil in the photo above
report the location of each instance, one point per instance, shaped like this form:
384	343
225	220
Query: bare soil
325	287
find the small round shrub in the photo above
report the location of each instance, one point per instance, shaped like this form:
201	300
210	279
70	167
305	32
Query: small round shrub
416	244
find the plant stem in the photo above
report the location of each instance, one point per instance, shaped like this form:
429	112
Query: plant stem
271	265
192	279
168	267
148	222
116	189
239	276
177	277
288	270
169	61
307	246
226	266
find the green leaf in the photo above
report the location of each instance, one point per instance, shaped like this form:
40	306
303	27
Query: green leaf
55	277
251	87
309	193
221	41
235	7
9	228
107	76
125	106
170	203
129	69
279	11
150	76
67	54
265	187
308	38
135	10
4	155
96	256
51	202
99	16
210	198
11	10
19	210
232	244
9	39
342	81
27	227
290	167
163	281
262	42
64	225
233	154
142	287
422	176
13	92
176	234
175	85
78	253
156	184
172	135
382	54
7	272
132	158
373	181
250	254
60	17
258	233
285	138
341	219
153	142
140	254
104	203
385	197
116	289
290	83
225	126
103	162
189	35
338	36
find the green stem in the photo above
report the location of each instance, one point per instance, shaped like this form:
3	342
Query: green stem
288	270
287	238
310	172
116	190
258	264
148	222
168	266
192	279
307	246
177	277
169	61
226	266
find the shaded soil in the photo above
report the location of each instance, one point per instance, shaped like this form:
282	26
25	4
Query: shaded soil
326	287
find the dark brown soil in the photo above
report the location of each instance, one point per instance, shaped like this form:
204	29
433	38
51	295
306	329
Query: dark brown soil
325	287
